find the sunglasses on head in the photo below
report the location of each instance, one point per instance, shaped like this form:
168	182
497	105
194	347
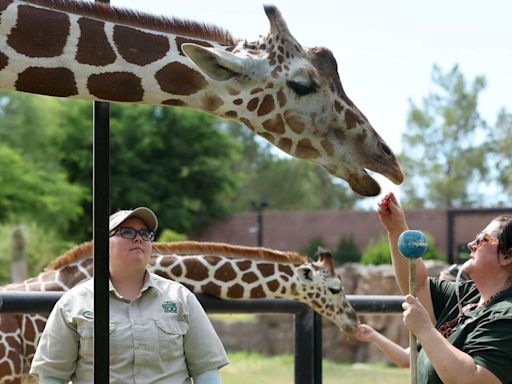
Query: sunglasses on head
483	237
131	233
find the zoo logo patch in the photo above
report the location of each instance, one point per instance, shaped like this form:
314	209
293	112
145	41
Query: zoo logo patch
170	307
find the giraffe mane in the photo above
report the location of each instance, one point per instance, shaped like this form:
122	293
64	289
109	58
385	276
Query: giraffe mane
184	248
78	252
139	19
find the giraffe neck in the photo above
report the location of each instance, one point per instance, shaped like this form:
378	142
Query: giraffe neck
86	56
231	278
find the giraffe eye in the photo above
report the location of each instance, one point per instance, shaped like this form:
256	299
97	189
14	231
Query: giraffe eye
302	89
334	291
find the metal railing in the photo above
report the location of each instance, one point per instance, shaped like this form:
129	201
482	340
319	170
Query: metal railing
308	325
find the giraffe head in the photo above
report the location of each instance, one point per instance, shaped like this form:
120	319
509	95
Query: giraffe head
292	96
323	288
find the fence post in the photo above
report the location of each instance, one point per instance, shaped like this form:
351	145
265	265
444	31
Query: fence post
305	349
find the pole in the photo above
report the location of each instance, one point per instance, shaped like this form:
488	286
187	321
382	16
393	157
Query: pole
412	338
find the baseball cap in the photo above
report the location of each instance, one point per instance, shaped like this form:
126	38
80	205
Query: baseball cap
143	213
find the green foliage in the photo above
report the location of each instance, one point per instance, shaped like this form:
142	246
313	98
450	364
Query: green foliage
43	245
377	252
310	249
501	147
444	155
301	185
346	252
29	191
170	236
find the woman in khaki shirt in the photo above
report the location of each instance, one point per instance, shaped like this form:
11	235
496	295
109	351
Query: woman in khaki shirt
159	333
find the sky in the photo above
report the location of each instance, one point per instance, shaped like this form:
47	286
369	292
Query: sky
385	49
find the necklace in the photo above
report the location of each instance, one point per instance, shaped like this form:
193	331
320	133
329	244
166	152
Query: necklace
447	328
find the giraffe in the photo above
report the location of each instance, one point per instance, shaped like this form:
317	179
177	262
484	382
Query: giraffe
290	95
220	270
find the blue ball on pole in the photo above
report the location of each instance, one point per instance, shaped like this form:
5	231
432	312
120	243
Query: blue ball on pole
412	244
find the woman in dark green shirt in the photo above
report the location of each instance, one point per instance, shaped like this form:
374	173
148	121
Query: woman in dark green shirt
466	341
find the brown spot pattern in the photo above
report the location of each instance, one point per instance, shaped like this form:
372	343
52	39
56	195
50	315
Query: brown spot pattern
29	331
39	32
352	119
138	47
181	40
225	273
248	123
281	98
238	101
4	4
47	81
116	86
243	265
337	106
294	122
253	104
93	45
232	91
275	124
249	277
256	90
273	285
211	102
257	292
328	147
266	106
305	150
231	114
267	136
235	292
196	270
285	144
211	289
286	269
174	102
178	79
266	269
177	270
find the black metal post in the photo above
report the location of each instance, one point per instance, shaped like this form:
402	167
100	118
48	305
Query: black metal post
305	348
101	209
259	212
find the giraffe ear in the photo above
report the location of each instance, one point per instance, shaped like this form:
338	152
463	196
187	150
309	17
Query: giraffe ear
216	63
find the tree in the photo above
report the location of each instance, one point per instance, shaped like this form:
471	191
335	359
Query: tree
501	147
29	193
178	161
444	156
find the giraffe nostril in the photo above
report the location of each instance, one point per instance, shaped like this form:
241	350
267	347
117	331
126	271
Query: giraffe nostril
386	149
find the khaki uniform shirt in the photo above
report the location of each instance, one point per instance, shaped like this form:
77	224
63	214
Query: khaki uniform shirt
163	336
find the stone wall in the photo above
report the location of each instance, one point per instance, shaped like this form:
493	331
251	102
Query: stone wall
273	334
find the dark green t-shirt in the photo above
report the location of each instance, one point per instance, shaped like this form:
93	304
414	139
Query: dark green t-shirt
483	333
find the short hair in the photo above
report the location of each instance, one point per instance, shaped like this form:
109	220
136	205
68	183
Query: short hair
504	235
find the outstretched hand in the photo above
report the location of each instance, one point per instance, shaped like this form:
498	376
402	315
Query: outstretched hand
365	333
391	214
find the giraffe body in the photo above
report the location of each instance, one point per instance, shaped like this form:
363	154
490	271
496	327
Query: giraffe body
219	270
290	95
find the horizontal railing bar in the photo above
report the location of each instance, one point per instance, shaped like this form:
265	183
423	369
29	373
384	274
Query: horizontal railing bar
43	302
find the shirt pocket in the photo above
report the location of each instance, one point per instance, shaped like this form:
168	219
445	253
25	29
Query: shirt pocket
112	340
170	337
86	331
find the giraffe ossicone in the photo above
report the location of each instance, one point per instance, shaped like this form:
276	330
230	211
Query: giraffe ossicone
290	95
220	270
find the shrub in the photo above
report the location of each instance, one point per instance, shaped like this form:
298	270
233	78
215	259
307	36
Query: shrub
169	236
310	249
346	252
377	252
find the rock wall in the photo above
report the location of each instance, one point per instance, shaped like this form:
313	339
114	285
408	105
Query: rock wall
273	334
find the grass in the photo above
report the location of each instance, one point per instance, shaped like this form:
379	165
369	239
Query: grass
254	368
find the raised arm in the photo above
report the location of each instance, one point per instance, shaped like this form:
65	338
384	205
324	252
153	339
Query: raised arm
393	218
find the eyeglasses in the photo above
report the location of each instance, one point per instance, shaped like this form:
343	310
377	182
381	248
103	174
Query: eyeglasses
131	233
481	238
